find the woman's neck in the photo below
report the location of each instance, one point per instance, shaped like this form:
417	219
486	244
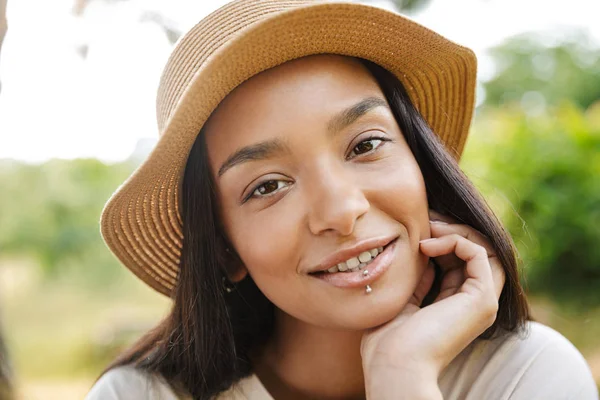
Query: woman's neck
303	361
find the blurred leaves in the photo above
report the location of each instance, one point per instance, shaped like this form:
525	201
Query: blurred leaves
542	174
533	72
51	212
535	152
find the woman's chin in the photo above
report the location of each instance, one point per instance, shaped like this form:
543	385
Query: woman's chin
373	312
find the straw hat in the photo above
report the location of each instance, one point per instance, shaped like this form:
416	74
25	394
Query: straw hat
141	222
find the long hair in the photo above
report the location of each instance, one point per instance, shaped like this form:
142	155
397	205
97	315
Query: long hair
203	346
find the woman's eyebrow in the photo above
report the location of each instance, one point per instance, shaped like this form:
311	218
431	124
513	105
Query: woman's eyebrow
352	113
269	148
254	152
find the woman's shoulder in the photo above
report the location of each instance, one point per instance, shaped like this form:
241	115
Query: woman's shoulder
537	362
128	382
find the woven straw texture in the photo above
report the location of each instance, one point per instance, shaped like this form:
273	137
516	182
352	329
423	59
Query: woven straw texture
141	222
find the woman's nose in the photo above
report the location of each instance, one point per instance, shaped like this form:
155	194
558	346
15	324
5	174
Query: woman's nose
336	202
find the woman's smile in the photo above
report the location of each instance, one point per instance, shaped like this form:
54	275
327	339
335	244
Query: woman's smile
353	256
371	265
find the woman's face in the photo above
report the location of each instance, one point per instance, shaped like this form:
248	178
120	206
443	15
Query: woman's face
312	170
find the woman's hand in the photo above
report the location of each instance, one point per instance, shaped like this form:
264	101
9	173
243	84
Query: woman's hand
420	342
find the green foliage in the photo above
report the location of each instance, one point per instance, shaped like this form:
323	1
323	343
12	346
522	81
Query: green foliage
51	211
542	175
535	74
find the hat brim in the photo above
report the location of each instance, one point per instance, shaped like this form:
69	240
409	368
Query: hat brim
141	222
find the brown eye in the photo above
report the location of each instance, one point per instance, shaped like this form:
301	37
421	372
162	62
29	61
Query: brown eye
365	146
268	188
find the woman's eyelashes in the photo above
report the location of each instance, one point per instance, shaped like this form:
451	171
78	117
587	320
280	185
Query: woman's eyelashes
368	145
272	186
268	188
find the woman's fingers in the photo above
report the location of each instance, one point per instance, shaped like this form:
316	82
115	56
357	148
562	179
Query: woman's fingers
451	261
474	255
424	286
475	304
451	283
436	216
466	231
499	275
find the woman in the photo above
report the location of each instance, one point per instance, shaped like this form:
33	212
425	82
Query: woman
305	211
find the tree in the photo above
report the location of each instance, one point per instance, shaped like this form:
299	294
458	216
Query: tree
540	174
537	75
50	213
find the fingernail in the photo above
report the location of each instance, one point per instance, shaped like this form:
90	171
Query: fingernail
426	240
437	221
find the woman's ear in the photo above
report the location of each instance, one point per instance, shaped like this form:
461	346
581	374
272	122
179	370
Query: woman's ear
230	261
239	275
235	268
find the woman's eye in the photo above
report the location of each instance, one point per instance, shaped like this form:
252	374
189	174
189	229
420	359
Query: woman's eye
268	188
366	146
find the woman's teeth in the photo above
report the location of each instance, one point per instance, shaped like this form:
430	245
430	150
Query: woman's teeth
356	263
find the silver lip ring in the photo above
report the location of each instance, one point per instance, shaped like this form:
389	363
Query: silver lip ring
368	289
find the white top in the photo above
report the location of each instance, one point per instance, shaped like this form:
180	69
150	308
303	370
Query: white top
541	365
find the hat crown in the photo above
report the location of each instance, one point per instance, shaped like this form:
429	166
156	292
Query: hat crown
203	40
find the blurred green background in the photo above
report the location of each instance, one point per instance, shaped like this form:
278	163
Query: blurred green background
67	307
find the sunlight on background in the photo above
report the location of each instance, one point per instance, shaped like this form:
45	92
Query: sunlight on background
77	104
84	85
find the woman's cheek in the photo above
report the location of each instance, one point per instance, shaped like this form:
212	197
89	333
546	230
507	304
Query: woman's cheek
266	243
402	196
401	191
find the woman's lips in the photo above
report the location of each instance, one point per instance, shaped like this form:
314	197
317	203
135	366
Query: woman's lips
358	279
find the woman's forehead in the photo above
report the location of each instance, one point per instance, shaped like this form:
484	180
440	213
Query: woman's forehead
306	79
291	96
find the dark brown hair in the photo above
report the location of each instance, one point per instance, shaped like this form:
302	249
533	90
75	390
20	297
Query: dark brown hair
203	345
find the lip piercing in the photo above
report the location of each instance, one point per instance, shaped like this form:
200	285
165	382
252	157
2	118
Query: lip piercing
365	272
368	289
